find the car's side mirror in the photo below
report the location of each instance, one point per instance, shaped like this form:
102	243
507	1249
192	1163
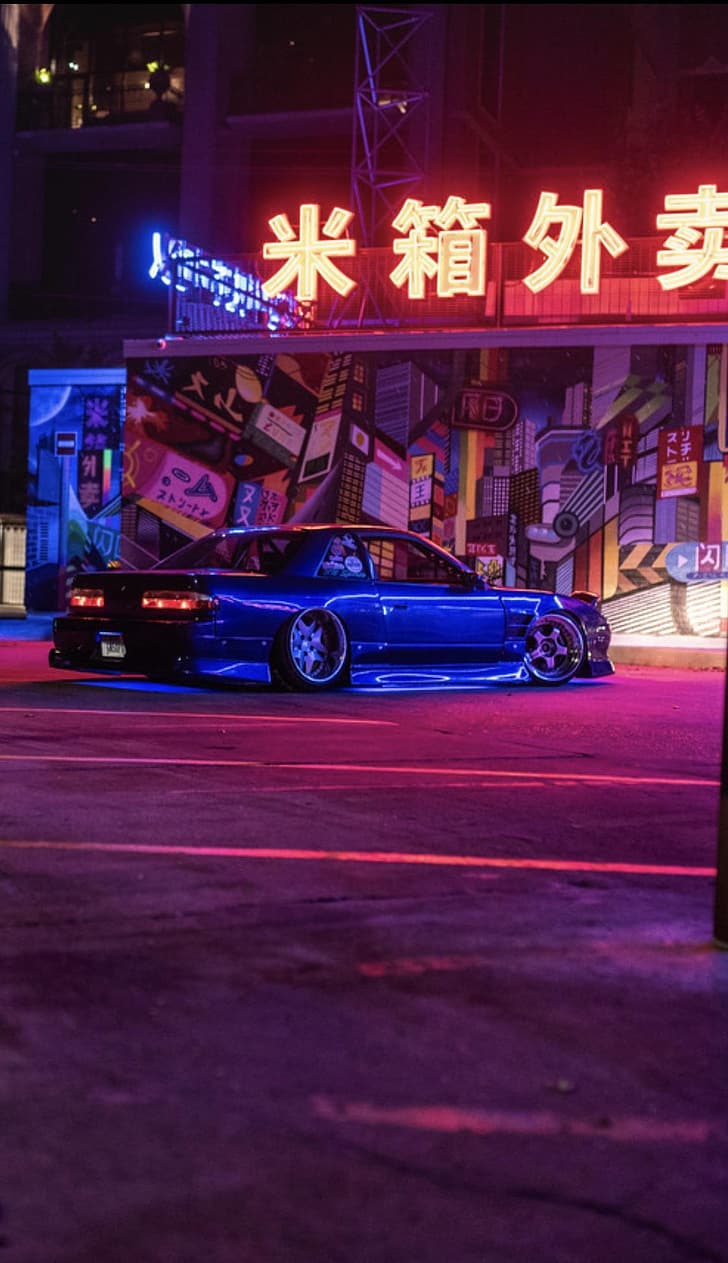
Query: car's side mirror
474	582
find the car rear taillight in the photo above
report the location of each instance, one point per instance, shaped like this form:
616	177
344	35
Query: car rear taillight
86	599
188	601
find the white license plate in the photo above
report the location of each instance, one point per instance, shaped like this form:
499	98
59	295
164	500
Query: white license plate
112	647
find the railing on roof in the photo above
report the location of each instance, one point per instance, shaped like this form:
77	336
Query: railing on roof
629	292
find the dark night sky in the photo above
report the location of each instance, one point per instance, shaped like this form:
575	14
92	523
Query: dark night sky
567	74
569	77
570	71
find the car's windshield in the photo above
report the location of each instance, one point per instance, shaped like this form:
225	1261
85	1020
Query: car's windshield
251	554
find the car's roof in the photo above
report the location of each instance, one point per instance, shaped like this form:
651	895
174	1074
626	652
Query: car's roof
310	528
364	529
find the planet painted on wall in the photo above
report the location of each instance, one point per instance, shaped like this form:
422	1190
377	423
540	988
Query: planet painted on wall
247	384
46	402
291	368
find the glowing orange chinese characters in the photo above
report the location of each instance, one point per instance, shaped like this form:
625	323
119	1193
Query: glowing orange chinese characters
444	248
446	242
308	255
569	221
696	247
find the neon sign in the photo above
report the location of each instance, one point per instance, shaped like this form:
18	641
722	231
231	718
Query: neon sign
432	248
696	247
571	219
455	256
308	257
441	250
185	267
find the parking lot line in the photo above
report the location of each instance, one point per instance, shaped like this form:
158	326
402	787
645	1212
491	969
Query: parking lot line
30	711
365	857
450	1119
424	769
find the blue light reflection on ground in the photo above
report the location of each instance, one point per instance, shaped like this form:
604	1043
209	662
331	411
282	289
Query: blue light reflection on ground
140	686
399	682
391	679
402	686
147	686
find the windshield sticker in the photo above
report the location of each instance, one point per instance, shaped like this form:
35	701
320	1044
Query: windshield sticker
342	557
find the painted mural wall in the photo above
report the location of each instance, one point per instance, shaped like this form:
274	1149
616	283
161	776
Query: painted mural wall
74	478
591	468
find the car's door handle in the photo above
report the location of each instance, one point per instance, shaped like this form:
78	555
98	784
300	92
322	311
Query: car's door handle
399	605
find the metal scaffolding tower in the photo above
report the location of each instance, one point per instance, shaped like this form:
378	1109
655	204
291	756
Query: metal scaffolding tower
389	149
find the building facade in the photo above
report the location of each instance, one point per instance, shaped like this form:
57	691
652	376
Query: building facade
519	361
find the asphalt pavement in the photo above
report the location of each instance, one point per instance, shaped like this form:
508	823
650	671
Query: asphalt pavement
419	978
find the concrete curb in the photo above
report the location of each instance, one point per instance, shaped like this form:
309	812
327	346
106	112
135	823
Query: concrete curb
677	657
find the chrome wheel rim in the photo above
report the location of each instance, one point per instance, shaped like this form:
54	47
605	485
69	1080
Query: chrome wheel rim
317	643
554	649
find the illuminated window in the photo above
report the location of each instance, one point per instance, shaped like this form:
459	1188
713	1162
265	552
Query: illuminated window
114	63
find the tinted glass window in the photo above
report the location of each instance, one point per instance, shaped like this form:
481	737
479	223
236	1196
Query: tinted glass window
214	552
257	554
267	554
402	560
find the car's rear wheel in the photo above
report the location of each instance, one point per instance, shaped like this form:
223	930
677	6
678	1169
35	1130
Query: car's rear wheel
312	651
555	649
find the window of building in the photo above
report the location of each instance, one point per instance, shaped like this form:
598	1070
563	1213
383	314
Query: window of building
107	63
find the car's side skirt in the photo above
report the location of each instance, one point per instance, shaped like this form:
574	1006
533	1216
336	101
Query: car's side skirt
441	676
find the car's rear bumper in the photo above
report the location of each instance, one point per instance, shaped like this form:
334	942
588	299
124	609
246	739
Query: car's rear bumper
162	647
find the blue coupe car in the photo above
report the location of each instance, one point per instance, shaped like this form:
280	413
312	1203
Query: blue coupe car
316	607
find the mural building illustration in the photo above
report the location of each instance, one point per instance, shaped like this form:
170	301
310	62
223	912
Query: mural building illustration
576	468
74	478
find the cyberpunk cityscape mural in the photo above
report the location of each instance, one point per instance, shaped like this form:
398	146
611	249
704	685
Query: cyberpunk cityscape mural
76	423
593	468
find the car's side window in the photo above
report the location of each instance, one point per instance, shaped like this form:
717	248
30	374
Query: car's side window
344	558
273	552
388	557
404	561
222	556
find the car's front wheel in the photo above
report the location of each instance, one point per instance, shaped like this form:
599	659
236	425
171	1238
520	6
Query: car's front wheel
555	649
312	651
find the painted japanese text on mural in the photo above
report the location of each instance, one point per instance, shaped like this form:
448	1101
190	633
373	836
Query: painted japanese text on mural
74	478
594	468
